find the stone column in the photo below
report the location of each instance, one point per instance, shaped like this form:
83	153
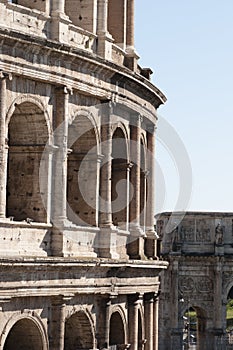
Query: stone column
156	323
58	6
59	21
3	143
151	235
176	337
130	25
57	324
102	24
59	197
131	56
107	236
136	243
105	40
133	321
218	302
103	320
149	320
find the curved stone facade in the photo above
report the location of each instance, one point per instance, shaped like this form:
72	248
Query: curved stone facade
77	132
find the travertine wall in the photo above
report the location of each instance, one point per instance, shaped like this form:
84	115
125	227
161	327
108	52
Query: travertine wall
77	262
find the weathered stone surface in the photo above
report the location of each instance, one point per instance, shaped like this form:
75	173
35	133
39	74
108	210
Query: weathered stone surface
75	272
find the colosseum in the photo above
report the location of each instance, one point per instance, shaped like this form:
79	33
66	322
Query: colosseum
78	250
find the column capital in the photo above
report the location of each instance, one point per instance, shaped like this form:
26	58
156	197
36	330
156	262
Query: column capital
67	90
151	128
5	75
136	119
149	297
135	299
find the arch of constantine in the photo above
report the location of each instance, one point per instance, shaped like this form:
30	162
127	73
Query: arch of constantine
78	261
199	248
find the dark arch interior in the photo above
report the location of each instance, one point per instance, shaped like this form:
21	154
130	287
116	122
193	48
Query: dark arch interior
24	335
82	173
117	334
28	135
119	179
78	333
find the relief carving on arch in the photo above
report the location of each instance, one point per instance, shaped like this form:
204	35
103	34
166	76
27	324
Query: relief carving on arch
200	284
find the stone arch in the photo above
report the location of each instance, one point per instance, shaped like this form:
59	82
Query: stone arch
117	327
24	331
227	303
198	331
120	181
83	169
124	130
228	289
79	332
29	131
36	101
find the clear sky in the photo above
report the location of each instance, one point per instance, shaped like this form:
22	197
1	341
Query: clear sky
189	46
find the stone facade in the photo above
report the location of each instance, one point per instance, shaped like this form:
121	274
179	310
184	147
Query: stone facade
78	260
199	248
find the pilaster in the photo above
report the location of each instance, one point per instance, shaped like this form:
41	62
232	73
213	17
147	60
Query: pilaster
149	320
107	237
3	142
57	323
59	192
133	309
151	235
136	240
105	40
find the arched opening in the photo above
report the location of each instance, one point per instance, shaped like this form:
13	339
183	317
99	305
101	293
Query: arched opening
37	5
78	332
82	192
142	188
28	135
195	334
83	13
117	332
229	318
117	21
119	179
24	335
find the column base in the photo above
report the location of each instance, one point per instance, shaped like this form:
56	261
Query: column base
135	248
151	245
131	59
107	243
73	241
59	26
104	45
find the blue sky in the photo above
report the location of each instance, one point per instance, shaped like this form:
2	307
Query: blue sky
189	46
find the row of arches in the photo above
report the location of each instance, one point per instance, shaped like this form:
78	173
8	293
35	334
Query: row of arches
28	333
28	133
